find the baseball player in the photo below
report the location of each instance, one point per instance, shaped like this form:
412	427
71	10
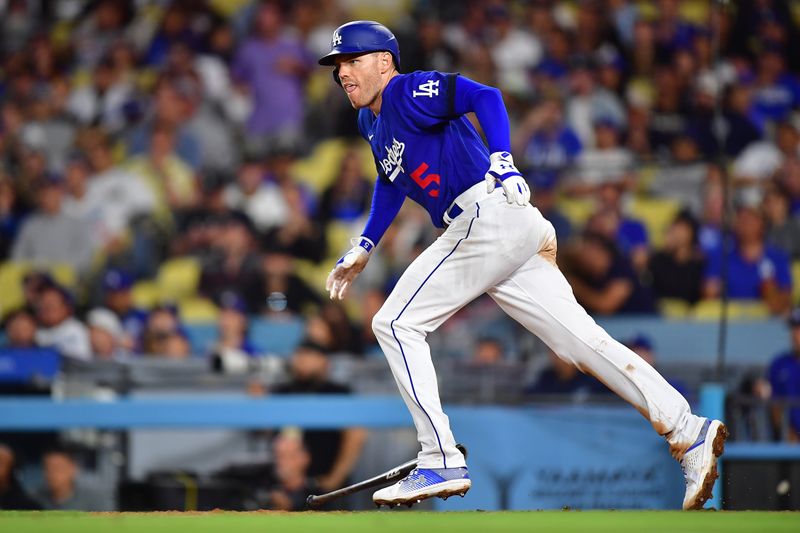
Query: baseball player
494	242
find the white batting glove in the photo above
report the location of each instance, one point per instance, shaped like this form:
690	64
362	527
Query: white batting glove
348	267
502	170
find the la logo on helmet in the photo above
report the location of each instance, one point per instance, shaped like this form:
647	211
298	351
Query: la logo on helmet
337	39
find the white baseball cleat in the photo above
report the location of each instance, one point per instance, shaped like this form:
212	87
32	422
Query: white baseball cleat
699	463
424	483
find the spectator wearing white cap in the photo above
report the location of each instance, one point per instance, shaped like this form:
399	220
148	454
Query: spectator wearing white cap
106	334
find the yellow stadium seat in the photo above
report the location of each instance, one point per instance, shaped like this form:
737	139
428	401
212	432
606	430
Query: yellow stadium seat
796	282
320	168
673	308
577	210
64	274
178	278
737	310
11	295
145	294
198	309
656	214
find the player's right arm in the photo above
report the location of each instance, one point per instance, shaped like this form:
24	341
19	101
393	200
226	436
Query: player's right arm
386	203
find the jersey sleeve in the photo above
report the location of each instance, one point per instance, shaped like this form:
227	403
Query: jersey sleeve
386	203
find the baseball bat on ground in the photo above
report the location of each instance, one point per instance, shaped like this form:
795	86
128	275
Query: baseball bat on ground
386	478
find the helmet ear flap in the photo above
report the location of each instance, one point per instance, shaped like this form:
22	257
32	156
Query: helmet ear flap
336	76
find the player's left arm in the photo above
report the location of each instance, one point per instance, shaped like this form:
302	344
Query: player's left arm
487	104
429	98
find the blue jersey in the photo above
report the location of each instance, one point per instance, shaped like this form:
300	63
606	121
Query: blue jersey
423	144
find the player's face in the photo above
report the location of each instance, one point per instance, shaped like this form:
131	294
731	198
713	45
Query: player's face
361	77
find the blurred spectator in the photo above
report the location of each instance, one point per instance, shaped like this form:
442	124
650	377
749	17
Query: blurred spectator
606	162
11	216
104	100
670	113
488	351
710	234
677	269
99	30
545	198
345	336
334	453
12	495
788	179
20	329
604	281
202	225
118	298
642	346
564	378
546	143
273	66
349	197
260	200
115	197
58	326
756	270
292	461
49	236
783	228
514	51
589	102
685	175
173	101
233	264
283	291
629	234
63	489
744	122
47	129
106	335
170	179
762	160
233	348
427	50
777	92
784	377
164	335
299	235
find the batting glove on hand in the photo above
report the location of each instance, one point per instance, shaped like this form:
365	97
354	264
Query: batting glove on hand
502	170
348	267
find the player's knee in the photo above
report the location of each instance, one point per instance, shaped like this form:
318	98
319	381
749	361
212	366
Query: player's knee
382	324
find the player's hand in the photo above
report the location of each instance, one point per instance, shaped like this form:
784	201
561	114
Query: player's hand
503	171
348	267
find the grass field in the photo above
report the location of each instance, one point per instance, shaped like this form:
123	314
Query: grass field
405	522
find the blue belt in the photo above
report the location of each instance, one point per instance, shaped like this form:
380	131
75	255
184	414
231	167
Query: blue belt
454	211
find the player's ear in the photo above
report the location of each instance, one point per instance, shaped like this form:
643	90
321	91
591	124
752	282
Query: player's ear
385	61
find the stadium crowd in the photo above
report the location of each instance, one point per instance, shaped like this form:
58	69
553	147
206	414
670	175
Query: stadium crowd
164	163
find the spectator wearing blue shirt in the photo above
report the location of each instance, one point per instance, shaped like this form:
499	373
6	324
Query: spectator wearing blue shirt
118	297
777	91
756	270
548	145
604	280
784	377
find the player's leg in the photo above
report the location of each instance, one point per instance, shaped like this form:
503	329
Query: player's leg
454	270
539	297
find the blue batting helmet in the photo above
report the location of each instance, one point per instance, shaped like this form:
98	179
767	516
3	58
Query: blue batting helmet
361	36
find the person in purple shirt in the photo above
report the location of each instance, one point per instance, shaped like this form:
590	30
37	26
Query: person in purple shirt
756	270
784	377
274	67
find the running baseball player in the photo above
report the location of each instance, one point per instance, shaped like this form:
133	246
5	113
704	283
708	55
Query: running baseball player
494	242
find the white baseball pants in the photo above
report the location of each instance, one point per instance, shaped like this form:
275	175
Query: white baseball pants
507	251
